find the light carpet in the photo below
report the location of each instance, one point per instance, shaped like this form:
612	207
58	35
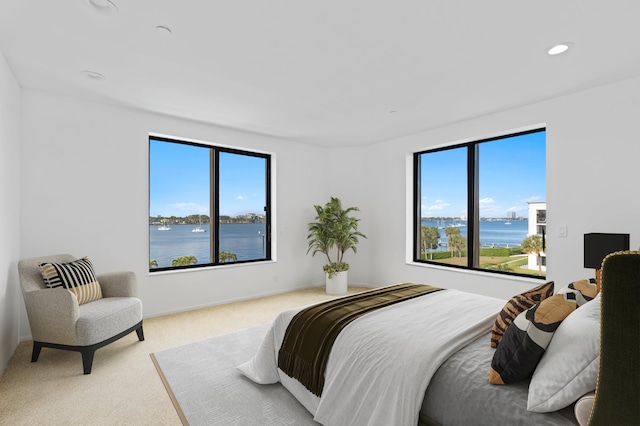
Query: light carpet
206	388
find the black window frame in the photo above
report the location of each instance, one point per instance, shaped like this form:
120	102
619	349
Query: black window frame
473	205
214	163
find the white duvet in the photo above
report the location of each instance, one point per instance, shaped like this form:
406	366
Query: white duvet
381	364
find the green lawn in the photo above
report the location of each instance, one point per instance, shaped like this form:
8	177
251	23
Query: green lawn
513	263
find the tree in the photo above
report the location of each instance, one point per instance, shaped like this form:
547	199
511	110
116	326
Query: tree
451	232
429	236
153	264
533	244
227	256
457	243
184	261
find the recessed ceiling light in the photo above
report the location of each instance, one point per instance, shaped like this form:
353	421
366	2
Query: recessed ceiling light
560	48
92	75
163	31
105	7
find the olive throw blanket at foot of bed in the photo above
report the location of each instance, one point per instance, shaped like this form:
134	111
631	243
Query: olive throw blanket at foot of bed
310	335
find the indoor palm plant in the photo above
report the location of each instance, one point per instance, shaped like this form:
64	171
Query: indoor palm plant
333	233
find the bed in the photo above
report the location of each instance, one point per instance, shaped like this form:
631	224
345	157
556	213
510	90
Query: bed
427	360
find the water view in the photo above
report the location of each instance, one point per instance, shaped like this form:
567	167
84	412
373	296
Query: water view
245	240
493	233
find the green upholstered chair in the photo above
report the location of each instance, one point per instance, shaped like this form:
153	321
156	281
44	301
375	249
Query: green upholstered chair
58	321
617	399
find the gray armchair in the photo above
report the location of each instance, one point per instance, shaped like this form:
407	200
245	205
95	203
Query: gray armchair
58	321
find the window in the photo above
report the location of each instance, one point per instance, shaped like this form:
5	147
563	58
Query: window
472	205
208	205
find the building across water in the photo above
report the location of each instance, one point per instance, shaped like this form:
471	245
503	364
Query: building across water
538	226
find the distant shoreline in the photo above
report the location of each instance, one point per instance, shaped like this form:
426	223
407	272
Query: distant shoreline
482	219
206	223
496	233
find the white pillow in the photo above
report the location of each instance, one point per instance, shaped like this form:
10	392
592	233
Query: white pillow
569	367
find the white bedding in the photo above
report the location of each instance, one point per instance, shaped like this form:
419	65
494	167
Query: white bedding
381	364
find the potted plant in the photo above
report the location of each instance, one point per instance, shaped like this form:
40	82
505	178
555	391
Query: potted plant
332	234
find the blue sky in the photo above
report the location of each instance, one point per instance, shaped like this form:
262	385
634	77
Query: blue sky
179	181
512	173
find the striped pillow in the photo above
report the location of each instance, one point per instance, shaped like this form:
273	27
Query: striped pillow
517	304
78	277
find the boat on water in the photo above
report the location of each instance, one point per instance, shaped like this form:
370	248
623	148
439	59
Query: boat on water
199	228
507	223
164	226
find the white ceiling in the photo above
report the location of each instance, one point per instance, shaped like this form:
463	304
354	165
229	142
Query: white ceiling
327	72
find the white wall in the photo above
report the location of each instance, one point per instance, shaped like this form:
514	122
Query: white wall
348	174
592	173
101	153
10	298
85	192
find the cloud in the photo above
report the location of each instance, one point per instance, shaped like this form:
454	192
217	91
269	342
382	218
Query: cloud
487	200
439	205
240	197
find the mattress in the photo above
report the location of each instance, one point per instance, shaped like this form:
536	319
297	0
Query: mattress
460	394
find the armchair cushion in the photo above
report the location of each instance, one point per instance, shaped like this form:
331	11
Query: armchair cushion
105	318
77	276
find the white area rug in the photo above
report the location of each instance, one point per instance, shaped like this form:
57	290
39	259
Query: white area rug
206	389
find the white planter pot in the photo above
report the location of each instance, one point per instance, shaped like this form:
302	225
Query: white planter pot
337	284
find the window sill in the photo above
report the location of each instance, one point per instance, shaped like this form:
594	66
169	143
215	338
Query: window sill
485	274
210	268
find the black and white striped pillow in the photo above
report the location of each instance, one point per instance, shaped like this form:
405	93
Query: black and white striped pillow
78	277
